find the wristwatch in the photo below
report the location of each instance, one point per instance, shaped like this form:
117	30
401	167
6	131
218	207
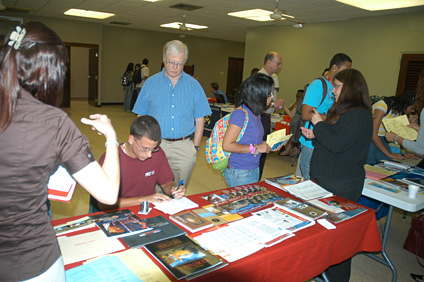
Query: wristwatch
396	139
197	148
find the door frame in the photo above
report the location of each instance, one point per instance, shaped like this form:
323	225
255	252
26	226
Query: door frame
67	90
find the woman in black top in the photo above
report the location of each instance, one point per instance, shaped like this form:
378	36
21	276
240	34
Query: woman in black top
341	146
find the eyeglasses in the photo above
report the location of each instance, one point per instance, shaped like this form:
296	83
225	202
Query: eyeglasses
172	63
144	149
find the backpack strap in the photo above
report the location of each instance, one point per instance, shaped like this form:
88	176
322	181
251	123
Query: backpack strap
246	121
324	94
324	89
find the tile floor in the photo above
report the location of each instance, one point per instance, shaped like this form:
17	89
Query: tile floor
204	179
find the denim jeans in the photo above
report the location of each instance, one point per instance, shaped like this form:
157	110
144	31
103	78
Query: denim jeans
236	177
305	160
127	97
375	155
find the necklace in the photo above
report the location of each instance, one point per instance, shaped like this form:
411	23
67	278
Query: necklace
328	79
123	148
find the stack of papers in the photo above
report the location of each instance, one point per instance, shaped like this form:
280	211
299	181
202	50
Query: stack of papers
61	185
398	125
176	205
307	190
242	238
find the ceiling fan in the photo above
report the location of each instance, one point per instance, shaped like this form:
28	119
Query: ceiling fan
184	27
279	14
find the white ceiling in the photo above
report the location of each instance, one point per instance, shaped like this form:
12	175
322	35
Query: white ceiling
148	16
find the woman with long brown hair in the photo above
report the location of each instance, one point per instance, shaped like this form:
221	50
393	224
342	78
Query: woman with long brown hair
341	146
36	137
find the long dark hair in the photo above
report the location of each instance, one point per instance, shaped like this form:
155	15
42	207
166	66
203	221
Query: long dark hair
400	103
354	94
255	91
38	66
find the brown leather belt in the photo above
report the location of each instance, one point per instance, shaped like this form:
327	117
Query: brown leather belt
178	139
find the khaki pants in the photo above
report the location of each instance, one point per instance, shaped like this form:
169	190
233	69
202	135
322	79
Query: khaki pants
181	157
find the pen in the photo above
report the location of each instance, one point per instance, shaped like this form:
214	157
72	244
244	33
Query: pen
178	187
150	232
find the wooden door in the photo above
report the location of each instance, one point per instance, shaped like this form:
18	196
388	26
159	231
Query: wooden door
410	68
93	75
234	76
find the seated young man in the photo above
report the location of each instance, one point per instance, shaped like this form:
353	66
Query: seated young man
143	164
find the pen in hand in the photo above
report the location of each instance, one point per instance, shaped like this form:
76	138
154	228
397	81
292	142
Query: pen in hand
178	187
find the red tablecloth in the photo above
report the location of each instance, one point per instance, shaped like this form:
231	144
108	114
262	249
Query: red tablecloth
302	257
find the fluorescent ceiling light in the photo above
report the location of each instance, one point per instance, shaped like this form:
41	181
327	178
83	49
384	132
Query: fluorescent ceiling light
256	15
176	25
152	1
376	5
88	14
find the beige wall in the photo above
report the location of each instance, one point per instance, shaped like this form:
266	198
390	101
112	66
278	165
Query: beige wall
122	45
118	46
375	45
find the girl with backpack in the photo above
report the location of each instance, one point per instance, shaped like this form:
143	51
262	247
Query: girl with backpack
243	163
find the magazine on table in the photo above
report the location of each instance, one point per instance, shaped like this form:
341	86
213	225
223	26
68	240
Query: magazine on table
120	223
284	180
342	216
161	228
334	204
302	209
191	221
183	257
284	219
242	199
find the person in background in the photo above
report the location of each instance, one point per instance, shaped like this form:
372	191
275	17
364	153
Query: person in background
387	108
272	64
141	73
179	104
243	163
416	146
314	100
254	70
36	136
143	164
290	111
341	144
214	87
128	90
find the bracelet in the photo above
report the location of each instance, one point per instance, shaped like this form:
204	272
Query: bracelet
117	143
252	149
396	139
256	151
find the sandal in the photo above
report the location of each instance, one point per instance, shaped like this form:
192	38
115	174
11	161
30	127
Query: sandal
418	278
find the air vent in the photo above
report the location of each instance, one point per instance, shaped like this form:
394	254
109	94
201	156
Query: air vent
120	23
18	10
185	7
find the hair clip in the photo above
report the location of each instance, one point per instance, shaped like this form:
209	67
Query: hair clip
16	37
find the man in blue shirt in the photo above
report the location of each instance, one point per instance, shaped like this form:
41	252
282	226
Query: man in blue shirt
314	99
215	90
179	103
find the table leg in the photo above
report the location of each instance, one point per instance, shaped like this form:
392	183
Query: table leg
386	261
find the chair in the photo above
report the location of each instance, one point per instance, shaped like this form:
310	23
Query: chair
93	205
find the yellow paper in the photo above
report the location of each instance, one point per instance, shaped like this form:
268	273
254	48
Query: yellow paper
277	137
379	170
398	125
